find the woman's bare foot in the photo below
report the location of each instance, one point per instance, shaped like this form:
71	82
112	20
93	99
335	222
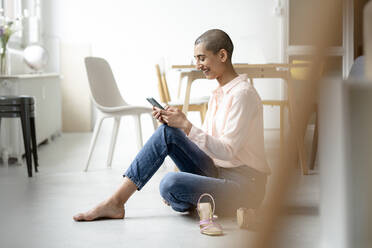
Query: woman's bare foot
107	209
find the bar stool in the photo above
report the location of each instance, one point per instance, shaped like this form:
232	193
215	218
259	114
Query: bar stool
22	107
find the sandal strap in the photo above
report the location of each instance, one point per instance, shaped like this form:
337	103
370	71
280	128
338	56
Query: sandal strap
204	222
207	221
211	197
211	224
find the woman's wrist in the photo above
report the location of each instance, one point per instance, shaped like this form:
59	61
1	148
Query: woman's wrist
187	127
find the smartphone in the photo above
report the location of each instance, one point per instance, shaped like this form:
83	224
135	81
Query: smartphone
154	103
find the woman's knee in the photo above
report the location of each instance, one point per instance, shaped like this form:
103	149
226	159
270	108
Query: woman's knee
160	130
168	184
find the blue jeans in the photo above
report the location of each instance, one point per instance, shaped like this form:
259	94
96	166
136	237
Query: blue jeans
231	188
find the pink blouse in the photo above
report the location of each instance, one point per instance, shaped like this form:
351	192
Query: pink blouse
232	133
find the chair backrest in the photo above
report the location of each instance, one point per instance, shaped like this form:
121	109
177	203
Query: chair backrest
103	88
162	85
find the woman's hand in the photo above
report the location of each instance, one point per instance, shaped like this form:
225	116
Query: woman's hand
156	113
174	118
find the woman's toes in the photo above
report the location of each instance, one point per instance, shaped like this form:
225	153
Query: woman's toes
78	217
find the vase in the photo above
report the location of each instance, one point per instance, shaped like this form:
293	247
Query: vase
4	63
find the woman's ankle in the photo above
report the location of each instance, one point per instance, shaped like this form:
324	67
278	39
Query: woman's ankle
115	201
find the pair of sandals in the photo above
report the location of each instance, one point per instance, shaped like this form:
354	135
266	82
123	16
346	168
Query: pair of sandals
246	218
207	223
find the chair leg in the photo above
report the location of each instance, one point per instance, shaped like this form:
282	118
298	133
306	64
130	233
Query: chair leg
113	140
202	115
97	128
302	155
203	111
137	120
0	132
4	153
315	144
34	143
26	130
281	149
299	139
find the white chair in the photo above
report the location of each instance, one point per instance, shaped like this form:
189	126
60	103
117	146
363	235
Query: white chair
110	104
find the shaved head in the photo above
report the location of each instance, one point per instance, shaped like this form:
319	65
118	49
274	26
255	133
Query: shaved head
215	40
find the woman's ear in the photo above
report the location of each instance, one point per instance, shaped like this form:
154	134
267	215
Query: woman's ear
223	55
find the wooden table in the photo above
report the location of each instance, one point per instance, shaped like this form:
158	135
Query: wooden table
252	70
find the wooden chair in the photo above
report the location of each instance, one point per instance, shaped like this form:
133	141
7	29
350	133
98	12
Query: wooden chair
196	104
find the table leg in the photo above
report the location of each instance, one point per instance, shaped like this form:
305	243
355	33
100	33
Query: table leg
187	95
182	75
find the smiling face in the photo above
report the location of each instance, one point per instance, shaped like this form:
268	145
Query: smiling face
212	65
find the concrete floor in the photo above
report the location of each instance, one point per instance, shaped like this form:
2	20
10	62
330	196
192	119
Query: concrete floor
37	212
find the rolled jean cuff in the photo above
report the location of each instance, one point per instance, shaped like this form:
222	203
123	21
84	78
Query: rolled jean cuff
138	183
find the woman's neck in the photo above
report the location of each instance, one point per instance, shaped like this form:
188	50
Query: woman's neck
228	75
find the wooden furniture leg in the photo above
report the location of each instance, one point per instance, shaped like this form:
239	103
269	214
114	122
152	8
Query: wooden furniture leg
282	105
187	96
315	143
299	138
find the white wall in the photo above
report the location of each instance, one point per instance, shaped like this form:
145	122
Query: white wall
134	35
